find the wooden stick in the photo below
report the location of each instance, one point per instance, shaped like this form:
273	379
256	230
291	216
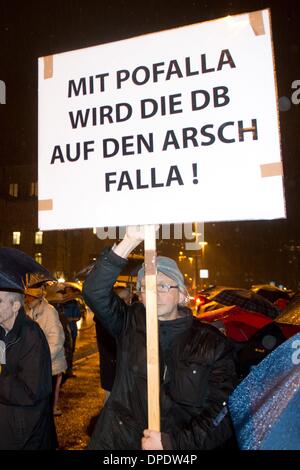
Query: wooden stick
152	330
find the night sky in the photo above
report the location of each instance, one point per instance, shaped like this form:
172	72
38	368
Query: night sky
30	29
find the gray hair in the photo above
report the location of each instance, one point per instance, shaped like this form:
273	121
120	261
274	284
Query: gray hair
16	297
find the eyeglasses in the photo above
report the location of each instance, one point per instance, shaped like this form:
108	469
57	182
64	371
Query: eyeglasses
161	288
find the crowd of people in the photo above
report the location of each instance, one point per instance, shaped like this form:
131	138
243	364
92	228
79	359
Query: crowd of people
33	361
201	387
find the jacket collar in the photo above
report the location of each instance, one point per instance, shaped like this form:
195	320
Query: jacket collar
169	330
13	334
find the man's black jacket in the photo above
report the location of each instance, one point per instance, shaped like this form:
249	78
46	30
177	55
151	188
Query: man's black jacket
26	420
197	372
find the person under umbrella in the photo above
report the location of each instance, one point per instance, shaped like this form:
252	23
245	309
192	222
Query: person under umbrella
32	276
71	310
39	310
25	374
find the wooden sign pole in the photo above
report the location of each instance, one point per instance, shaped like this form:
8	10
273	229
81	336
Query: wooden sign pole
152	330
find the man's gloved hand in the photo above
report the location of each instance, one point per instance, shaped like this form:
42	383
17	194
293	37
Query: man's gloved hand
135	234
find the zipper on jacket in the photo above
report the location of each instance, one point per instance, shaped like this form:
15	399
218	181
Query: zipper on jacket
8	345
165	373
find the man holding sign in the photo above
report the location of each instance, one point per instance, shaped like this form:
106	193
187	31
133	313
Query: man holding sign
197	370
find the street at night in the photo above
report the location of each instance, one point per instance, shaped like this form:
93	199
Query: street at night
149	232
81	397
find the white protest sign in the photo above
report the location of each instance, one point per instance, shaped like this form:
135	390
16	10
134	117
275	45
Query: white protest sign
169	127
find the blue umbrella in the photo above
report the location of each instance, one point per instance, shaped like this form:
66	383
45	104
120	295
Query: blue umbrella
265	407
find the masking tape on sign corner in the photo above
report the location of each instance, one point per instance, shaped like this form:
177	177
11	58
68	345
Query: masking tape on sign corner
48	66
256	21
271	169
45	205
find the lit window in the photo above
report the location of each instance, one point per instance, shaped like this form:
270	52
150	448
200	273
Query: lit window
38	257
39	238
33	191
16	238
13	189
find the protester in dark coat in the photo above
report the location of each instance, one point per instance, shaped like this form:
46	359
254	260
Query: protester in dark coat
26	420
107	352
107	348
197	370
72	312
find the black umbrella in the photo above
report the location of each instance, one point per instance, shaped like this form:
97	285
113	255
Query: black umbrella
246	299
271	293
291	313
84	272
9	282
21	269
131	269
